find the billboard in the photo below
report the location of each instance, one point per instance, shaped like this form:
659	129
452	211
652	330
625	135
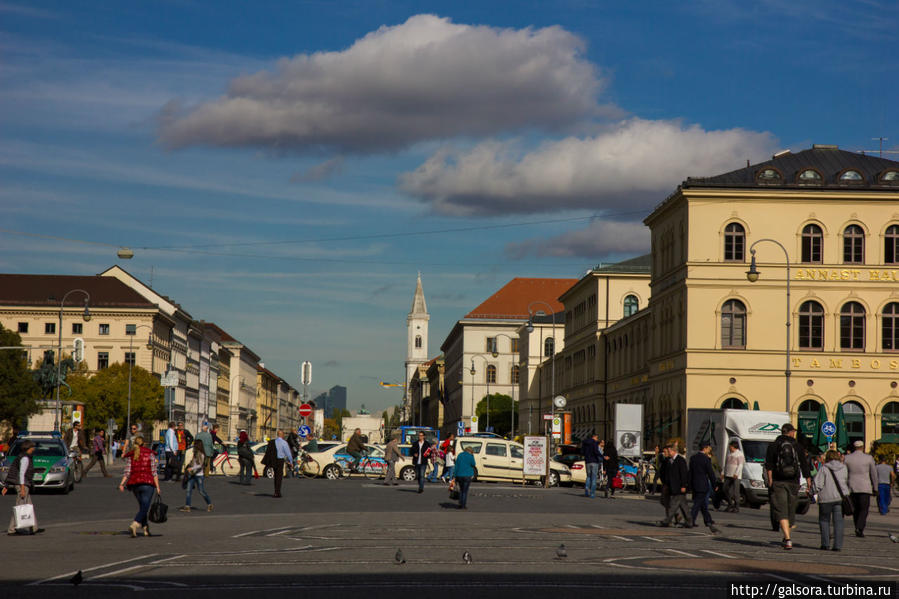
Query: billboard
629	429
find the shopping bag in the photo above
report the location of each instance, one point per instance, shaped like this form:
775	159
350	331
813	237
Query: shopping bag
453	492
158	511
24	515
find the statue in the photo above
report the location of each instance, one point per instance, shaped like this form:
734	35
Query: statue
45	376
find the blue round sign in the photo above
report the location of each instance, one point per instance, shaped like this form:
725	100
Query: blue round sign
829	429
304	431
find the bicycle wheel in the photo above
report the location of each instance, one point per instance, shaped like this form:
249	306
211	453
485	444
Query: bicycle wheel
372	469
78	470
343	468
309	468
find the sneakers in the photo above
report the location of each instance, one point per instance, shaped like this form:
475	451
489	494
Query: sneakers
185	508
787	544
714	529
210	507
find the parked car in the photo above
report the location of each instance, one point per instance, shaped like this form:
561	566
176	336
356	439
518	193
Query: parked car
52	465
329	460
503	460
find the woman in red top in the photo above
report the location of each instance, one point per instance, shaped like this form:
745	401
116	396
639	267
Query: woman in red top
141	479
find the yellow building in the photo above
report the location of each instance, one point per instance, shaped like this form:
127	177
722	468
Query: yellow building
718	340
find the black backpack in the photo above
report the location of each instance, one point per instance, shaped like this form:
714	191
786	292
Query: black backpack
787	464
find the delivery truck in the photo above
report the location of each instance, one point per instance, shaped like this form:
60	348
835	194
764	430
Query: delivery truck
754	430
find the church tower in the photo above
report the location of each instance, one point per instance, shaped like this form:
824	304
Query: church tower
416	332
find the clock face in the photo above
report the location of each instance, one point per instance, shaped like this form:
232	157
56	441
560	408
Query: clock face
559	401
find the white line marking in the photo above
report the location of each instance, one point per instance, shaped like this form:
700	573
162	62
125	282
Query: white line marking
167	559
253	532
654	539
597	526
122	571
681	552
778	577
280	532
622	538
125	561
718	554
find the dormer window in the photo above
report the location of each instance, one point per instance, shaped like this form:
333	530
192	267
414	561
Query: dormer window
809	176
769	175
889	177
851	176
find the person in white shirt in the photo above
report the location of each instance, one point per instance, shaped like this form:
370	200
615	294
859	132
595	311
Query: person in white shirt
733	471
171	452
21	477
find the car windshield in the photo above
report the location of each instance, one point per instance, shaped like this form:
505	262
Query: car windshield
517	451
754	451
475	446
43	448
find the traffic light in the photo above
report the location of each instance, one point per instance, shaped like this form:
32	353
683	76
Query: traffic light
78	350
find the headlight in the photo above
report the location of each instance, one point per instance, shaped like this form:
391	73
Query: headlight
757	484
60	466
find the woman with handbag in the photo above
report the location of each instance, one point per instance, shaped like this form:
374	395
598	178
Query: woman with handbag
832	483
141	478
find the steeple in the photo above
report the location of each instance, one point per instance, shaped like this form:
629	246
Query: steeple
419	306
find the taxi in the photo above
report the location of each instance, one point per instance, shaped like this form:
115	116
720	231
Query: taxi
52	465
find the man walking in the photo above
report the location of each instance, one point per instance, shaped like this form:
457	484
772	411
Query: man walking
733	471
98	453
128	445
184	440
862	484
610	463
702	479
391	455
419	459
676	475
205	438
590	449
171	452
276	453
785	462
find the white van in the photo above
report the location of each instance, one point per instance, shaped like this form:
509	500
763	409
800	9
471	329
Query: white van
754	430
502	460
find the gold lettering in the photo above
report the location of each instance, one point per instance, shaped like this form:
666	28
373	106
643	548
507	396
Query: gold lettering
822	274
894	364
844	274
855	273
875	364
800	274
797	362
875	275
833	275
815	364
856	363
836	363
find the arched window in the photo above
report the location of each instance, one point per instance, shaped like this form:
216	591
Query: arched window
631	305
769	175
549	347
811	325
418	342
491	373
733	403
854	414
891	245
733	324
734	243
889	423
809	176
852	327
812	241
851	176
853	245
890	327
808	417
516	373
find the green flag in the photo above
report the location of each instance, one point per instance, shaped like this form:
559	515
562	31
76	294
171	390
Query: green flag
842	437
818	439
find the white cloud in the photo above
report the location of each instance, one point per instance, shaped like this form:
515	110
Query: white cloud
427	78
628	167
599	239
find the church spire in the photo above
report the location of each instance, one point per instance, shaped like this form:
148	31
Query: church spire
419	307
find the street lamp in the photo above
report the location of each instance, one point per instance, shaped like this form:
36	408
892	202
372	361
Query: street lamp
530	329
495	353
472	371
752	275
86	316
131	331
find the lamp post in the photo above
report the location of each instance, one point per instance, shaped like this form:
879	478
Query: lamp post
131	331
495	353
86	316
753	275
472	371
530	329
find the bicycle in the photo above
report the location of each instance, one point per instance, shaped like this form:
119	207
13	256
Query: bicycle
306	465
367	467
225	464
77	466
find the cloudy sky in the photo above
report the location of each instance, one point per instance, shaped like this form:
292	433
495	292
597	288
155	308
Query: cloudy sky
286	168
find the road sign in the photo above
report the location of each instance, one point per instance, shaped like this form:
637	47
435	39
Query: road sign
76	415
548	416
169	379
557	427
535	456
78	349
305	410
829	429
304	431
306	372
460	428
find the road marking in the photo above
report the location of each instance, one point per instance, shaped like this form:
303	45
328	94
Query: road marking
83	570
654	539
168	559
280	532
122	571
622	538
597	526
253	532
681	552
718	554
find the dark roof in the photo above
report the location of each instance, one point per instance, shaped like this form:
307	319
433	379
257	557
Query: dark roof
222	332
638	265
829	161
36	290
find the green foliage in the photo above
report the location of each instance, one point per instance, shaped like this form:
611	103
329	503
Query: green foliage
330	429
18	391
105	396
890	450
501	411
339	415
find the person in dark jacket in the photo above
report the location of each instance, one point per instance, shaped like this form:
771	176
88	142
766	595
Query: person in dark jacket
702	479
783	468
590	449
356	447
21	478
677	480
610	464
245	458
418	450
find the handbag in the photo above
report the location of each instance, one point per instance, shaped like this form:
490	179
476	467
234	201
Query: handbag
845	502
24	516
158	510
453	492
617	483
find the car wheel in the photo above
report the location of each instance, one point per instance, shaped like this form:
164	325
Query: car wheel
269	473
331	472
408	474
553	478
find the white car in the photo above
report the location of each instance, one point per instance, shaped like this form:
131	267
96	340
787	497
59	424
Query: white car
503	460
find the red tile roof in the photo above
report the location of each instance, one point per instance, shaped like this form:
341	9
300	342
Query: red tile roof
36	290
511	302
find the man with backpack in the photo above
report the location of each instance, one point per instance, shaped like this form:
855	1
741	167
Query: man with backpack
785	462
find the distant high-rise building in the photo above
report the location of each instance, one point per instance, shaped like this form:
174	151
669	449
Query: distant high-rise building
332	400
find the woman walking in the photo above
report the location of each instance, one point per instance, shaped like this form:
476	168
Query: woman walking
465	465
449	458
193	472
832	482
245	458
141	479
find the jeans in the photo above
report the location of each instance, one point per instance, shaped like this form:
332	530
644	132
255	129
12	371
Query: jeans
197	481
432	478
592	473
883	497
826	511
448	472
356	458
144	494
420	471
463	482
861	503
701	504
246	471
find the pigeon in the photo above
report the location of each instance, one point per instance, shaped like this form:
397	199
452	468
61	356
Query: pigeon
466	557
894	538
561	552
77	579
399	557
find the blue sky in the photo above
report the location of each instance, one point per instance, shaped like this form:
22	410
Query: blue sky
286	168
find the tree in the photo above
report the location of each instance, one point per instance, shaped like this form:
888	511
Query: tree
105	396
501	407
339	415
18	391
331	430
